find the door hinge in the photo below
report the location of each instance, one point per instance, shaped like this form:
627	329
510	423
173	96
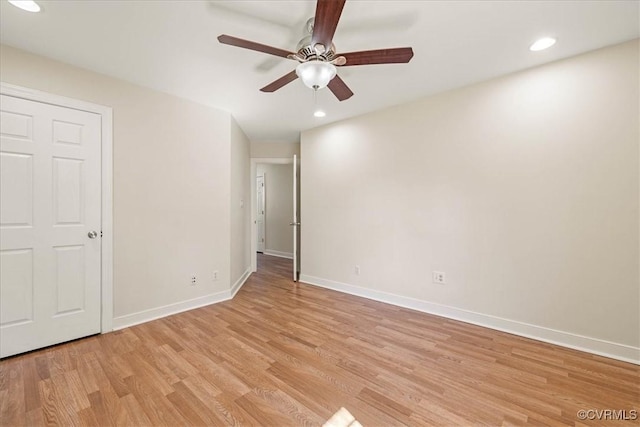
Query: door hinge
100	233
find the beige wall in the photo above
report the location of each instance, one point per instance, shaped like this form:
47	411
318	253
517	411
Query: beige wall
523	190
240	204
274	149
171	183
279	207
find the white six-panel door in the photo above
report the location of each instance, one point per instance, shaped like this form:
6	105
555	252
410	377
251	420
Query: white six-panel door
50	196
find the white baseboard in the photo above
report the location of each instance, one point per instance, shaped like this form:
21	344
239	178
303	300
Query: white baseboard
167	310
280	254
236	286
600	347
143	316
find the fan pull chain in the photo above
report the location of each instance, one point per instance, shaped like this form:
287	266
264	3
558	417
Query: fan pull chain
317	112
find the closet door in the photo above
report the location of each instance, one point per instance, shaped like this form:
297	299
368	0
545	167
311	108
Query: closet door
50	238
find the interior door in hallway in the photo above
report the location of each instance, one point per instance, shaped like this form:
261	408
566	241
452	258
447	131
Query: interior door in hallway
260	194
296	218
50	216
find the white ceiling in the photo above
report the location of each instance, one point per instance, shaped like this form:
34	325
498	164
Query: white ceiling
171	46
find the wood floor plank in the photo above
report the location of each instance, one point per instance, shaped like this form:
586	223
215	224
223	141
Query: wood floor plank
88	418
154	404
113	376
31	393
264	412
100	410
13	406
192	408
42	367
55	411
288	354
34	417
134	412
203	389
233	415
143	366
385	404
77	392
219	375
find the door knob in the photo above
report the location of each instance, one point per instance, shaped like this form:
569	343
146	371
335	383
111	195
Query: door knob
92	234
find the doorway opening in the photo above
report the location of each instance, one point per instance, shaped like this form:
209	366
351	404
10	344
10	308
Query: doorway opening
274	211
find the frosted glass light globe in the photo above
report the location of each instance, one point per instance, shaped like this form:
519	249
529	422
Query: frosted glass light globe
316	74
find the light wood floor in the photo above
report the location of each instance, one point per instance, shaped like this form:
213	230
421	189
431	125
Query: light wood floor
285	354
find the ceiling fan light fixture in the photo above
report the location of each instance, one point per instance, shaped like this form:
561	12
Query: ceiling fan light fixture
28	5
318	56
316	74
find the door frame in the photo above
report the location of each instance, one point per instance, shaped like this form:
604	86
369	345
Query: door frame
254	228
106	261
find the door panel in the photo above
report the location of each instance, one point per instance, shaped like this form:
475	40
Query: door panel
69	280
16	296
50	195
67	191
296	218
67	133
16	189
260	216
17	126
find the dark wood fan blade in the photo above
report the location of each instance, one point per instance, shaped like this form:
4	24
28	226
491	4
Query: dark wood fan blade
379	56
326	20
340	88
246	44
286	79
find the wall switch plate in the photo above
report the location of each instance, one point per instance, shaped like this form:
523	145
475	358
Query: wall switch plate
357	270
439	277
215	275
193	280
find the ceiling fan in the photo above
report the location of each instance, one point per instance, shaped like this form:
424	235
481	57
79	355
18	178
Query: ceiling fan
317	55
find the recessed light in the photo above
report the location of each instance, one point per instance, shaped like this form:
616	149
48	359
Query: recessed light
542	44
28	5
319	113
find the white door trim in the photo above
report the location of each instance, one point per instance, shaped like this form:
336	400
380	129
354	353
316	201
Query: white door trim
106	270
254	231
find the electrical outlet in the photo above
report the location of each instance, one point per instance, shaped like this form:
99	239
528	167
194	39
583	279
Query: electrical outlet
439	277
215	275
193	280
357	270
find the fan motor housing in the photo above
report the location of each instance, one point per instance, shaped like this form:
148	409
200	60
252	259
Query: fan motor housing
307	51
